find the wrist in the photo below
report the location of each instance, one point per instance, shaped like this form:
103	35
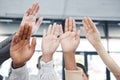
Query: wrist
70	63
69	53
47	57
15	66
97	44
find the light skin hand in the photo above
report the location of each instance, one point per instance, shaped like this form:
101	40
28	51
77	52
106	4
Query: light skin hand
30	17
69	42
21	50
90	31
93	36
71	38
50	42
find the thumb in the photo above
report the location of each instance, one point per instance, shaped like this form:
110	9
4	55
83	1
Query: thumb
83	30
33	45
37	25
78	35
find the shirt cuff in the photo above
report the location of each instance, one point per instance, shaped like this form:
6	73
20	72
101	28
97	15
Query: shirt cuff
19	71
49	66
73	74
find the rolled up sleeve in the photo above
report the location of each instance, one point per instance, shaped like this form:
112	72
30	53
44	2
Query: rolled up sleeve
73	74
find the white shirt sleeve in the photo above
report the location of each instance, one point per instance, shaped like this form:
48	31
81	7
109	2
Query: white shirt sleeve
19	74
47	71
73	74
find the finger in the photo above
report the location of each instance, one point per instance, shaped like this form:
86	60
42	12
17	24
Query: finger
25	31
39	22
25	43
49	30
61	30
78	32
74	25
92	25
27	13
32	8
66	25
33	45
29	32
44	33
70	24
15	39
57	29
54	29
21	32
85	24
36	9
37	25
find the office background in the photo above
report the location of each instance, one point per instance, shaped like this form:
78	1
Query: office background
105	14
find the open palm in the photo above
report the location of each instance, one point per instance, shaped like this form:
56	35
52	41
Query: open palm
71	38
69	42
30	17
50	42
21	50
90	30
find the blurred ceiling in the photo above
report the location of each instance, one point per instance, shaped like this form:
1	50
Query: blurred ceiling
60	9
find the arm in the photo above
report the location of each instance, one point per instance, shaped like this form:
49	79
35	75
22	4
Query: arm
21	51
69	42
93	36
29	18
5	49
50	43
4	53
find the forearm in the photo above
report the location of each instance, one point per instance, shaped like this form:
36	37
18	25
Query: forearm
70	63
107	59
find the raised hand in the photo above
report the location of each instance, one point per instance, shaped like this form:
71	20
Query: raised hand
30	17
69	42
50	42
71	38
21	50
93	35
90	31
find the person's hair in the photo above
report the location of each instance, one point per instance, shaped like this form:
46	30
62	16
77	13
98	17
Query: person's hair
83	68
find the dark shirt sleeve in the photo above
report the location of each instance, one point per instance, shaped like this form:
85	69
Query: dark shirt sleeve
1	78
5	42
5	49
